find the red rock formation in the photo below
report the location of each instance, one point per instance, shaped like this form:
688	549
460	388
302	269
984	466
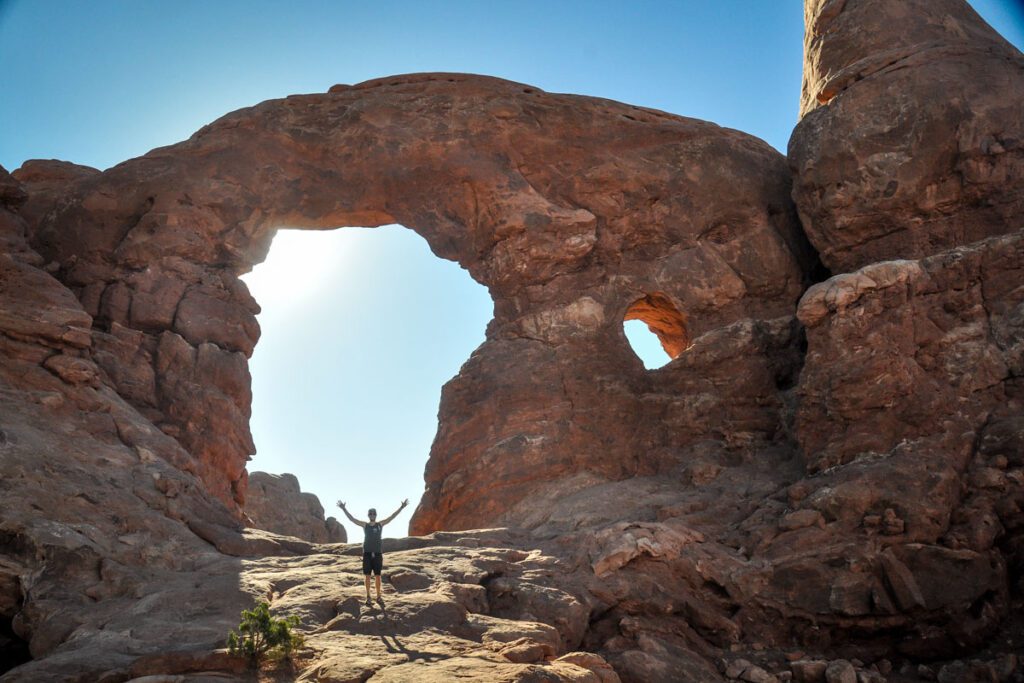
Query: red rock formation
634	206
830	474
907	352
913	363
276	503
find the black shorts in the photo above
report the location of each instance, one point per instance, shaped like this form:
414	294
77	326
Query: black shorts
373	562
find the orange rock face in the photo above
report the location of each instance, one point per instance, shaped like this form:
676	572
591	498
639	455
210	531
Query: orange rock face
664	320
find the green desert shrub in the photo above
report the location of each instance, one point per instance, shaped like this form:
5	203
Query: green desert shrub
261	635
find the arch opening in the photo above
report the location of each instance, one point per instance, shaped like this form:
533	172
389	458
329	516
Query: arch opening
360	330
656	330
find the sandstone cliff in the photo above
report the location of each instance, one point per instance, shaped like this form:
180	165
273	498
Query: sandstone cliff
831	468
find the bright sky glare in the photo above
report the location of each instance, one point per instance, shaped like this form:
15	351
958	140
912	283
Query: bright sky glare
645	344
361	328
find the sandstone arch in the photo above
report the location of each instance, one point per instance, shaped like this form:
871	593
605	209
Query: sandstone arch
848	484
567	208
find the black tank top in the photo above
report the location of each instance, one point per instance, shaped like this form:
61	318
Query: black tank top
371	538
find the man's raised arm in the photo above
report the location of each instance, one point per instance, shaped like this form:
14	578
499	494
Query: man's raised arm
351	518
395	513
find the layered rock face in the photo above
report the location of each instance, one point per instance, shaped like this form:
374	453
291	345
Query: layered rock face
826	470
97	505
117	564
275	502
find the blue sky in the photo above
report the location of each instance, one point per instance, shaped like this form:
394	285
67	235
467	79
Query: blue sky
362	327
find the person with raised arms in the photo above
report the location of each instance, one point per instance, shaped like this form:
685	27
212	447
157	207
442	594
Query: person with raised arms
373	554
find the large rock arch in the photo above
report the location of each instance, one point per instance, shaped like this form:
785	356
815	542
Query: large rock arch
567	208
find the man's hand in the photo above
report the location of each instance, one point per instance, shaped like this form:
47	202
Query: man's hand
405	502
341	505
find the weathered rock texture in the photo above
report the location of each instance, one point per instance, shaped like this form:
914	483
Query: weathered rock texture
826	481
910	141
909	172
275	502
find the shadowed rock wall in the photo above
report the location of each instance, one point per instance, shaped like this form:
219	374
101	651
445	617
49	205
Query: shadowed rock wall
909	141
909	177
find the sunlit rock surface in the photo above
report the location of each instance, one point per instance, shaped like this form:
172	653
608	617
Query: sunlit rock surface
910	138
827	481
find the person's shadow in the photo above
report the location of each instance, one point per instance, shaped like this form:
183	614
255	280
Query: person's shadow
396	646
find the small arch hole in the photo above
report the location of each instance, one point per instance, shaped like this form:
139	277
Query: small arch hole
656	330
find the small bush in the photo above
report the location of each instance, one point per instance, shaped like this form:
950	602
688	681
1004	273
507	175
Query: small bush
260	635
